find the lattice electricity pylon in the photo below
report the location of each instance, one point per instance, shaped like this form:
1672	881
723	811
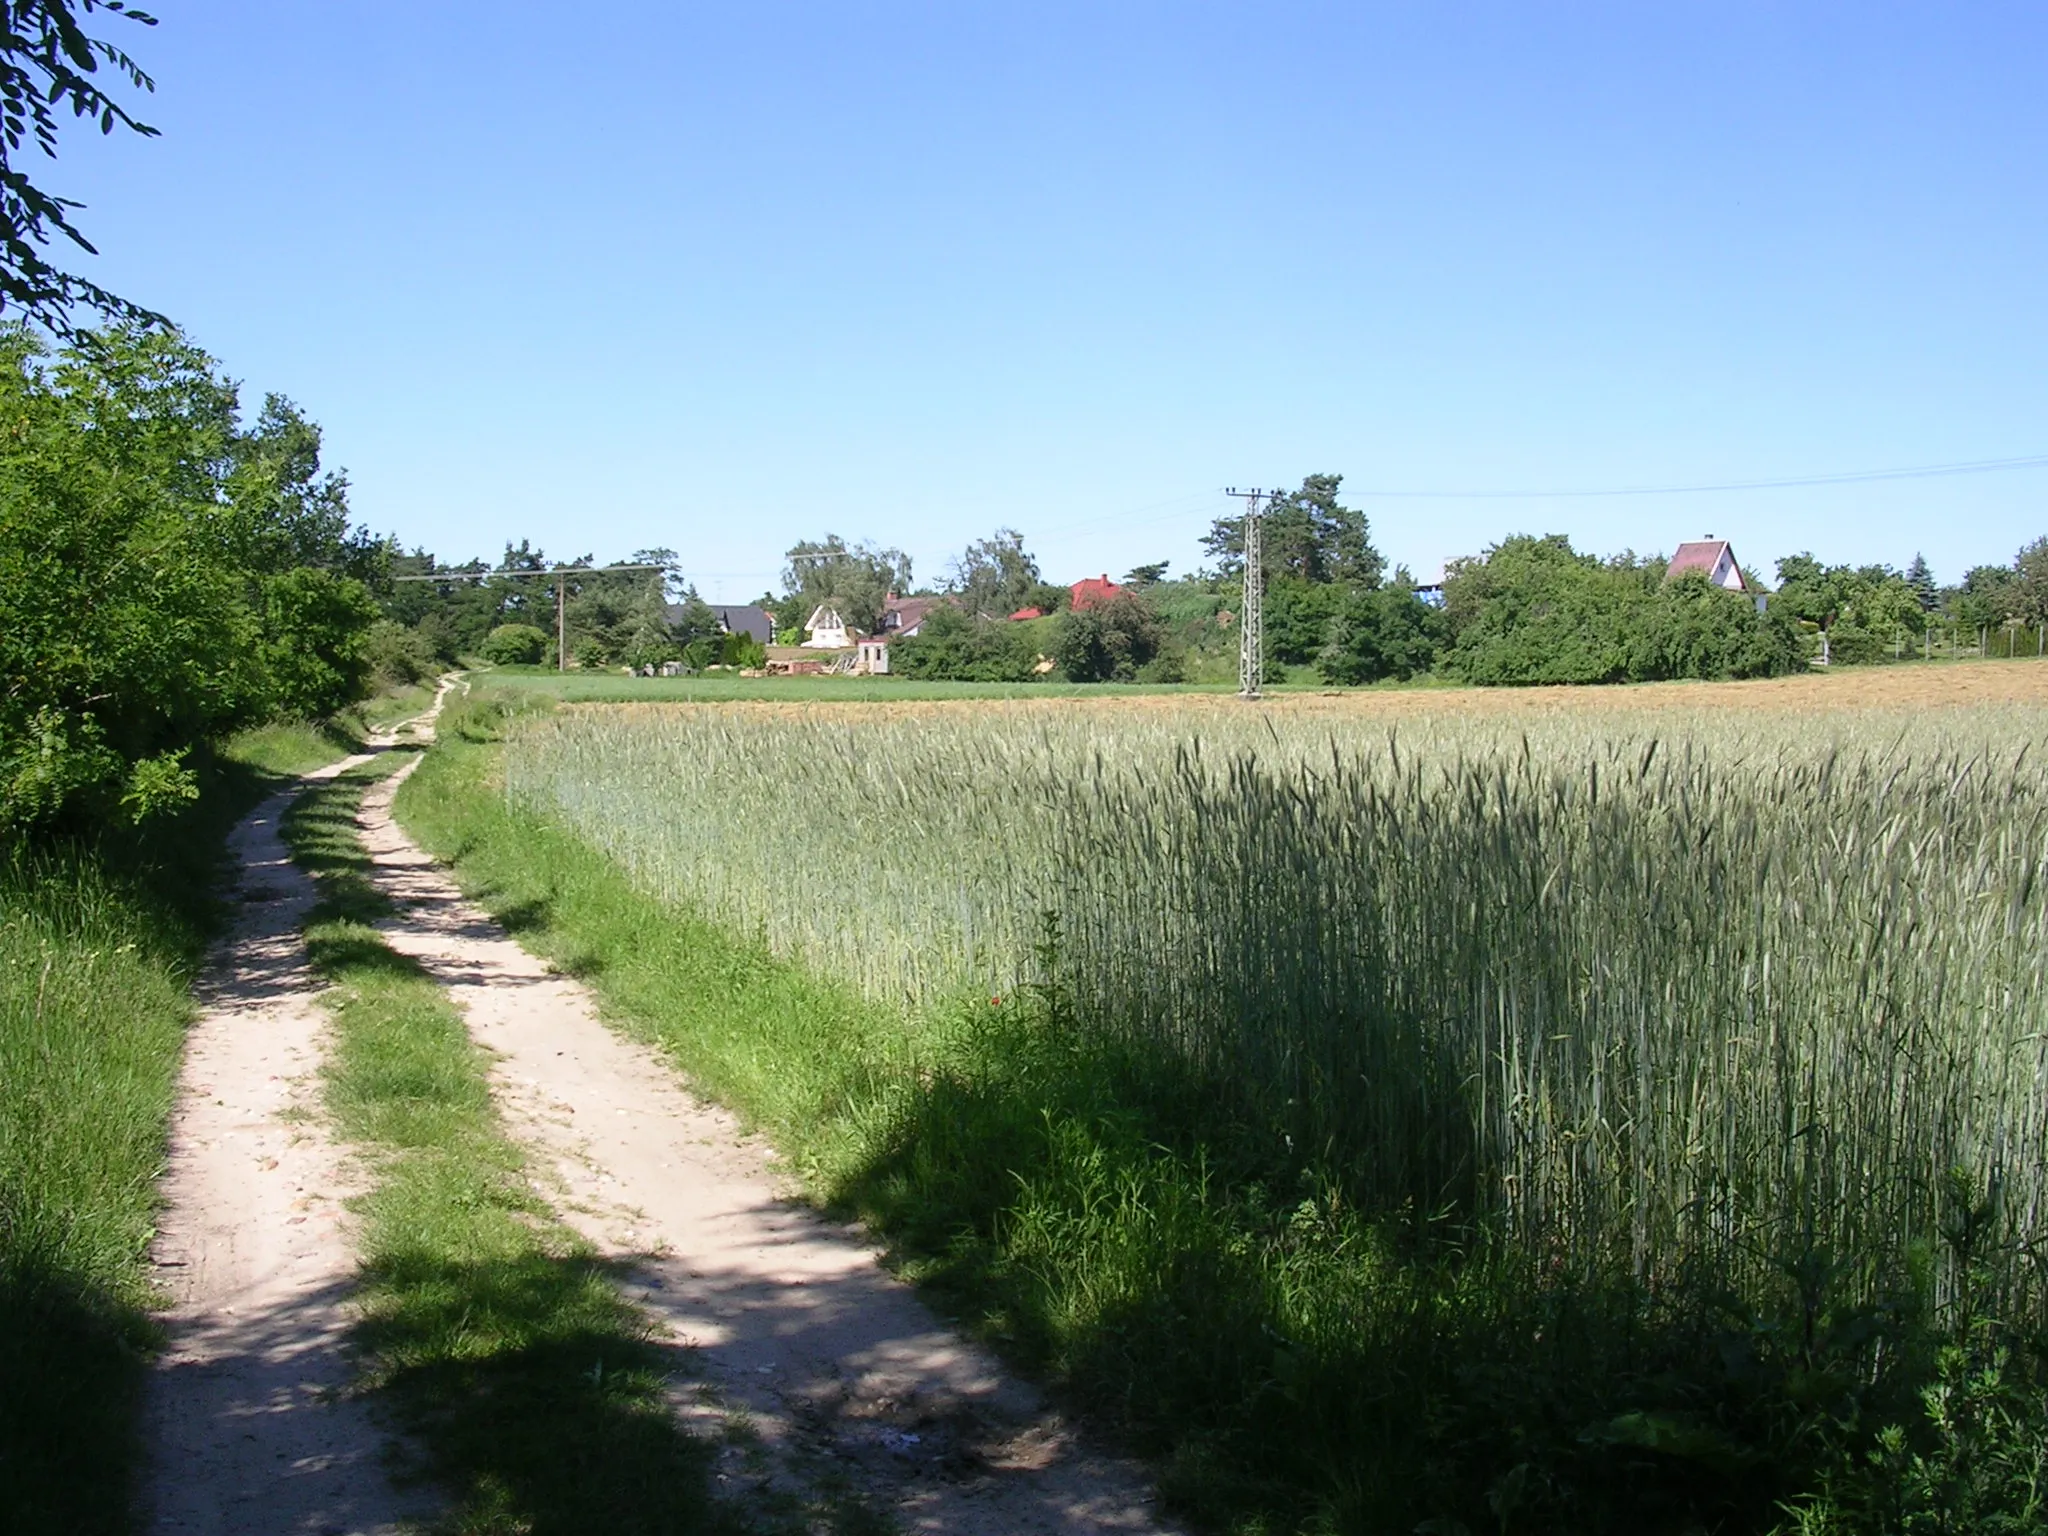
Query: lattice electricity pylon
1251	628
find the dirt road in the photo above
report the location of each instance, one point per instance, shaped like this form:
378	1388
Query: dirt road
844	1379
247	1429
843	1372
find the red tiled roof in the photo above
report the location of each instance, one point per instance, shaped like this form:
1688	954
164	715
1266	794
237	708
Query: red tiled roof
1091	590
1026	613
1702	555
901	615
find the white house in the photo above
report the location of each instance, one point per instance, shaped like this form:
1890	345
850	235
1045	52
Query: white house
1713	559
872	657
824	630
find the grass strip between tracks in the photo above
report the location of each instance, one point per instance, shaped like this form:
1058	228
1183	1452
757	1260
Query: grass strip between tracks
533	1391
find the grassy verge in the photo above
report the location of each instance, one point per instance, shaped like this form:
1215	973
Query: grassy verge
286	748
611	688
93	1006
100	938
395	704
533	1390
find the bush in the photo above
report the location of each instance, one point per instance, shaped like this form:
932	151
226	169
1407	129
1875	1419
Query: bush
1299	617
317	624
950	645
515	645
1108	642
165	575
1379	633
399	656
742	650
1536	611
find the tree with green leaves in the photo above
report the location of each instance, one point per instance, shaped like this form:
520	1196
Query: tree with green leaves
1308	535
151	594
995	576
854	579
49	64
1146	575
621	617
1534	610
1121	640
1920	577
1382	632
515	645
956	646
1862	613
2029	604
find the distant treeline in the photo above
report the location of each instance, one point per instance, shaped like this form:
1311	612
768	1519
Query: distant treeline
1528	610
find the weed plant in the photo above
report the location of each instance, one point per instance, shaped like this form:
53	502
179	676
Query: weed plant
1480	1128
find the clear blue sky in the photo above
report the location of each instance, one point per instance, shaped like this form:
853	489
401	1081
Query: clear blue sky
723	277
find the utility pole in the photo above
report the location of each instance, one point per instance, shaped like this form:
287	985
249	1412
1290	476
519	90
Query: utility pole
1251	627
561	573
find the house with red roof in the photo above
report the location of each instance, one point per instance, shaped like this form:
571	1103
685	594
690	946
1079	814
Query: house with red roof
903	617
1712	558
1093	591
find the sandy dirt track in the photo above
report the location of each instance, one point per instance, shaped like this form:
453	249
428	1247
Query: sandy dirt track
841	1370
245	1424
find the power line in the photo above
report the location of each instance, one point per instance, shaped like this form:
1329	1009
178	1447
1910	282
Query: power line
561	573
1850	477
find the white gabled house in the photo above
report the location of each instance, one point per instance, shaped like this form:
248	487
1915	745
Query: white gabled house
1715	560
824	630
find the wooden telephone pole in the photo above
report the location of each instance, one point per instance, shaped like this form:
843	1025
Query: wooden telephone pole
561	573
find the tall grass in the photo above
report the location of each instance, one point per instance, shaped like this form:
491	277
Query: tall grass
1668	993
1737	1023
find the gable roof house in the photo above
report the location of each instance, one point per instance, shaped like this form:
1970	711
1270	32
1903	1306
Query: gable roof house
1090	591
746	619
1713	559
824	630
733	619
903	617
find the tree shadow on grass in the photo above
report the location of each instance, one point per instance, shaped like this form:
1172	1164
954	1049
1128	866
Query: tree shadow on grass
360	953
1214	1301
537	1398
71	1362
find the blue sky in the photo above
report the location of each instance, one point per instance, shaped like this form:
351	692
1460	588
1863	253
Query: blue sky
719	278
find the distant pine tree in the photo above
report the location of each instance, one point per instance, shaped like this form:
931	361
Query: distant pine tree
1921	579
